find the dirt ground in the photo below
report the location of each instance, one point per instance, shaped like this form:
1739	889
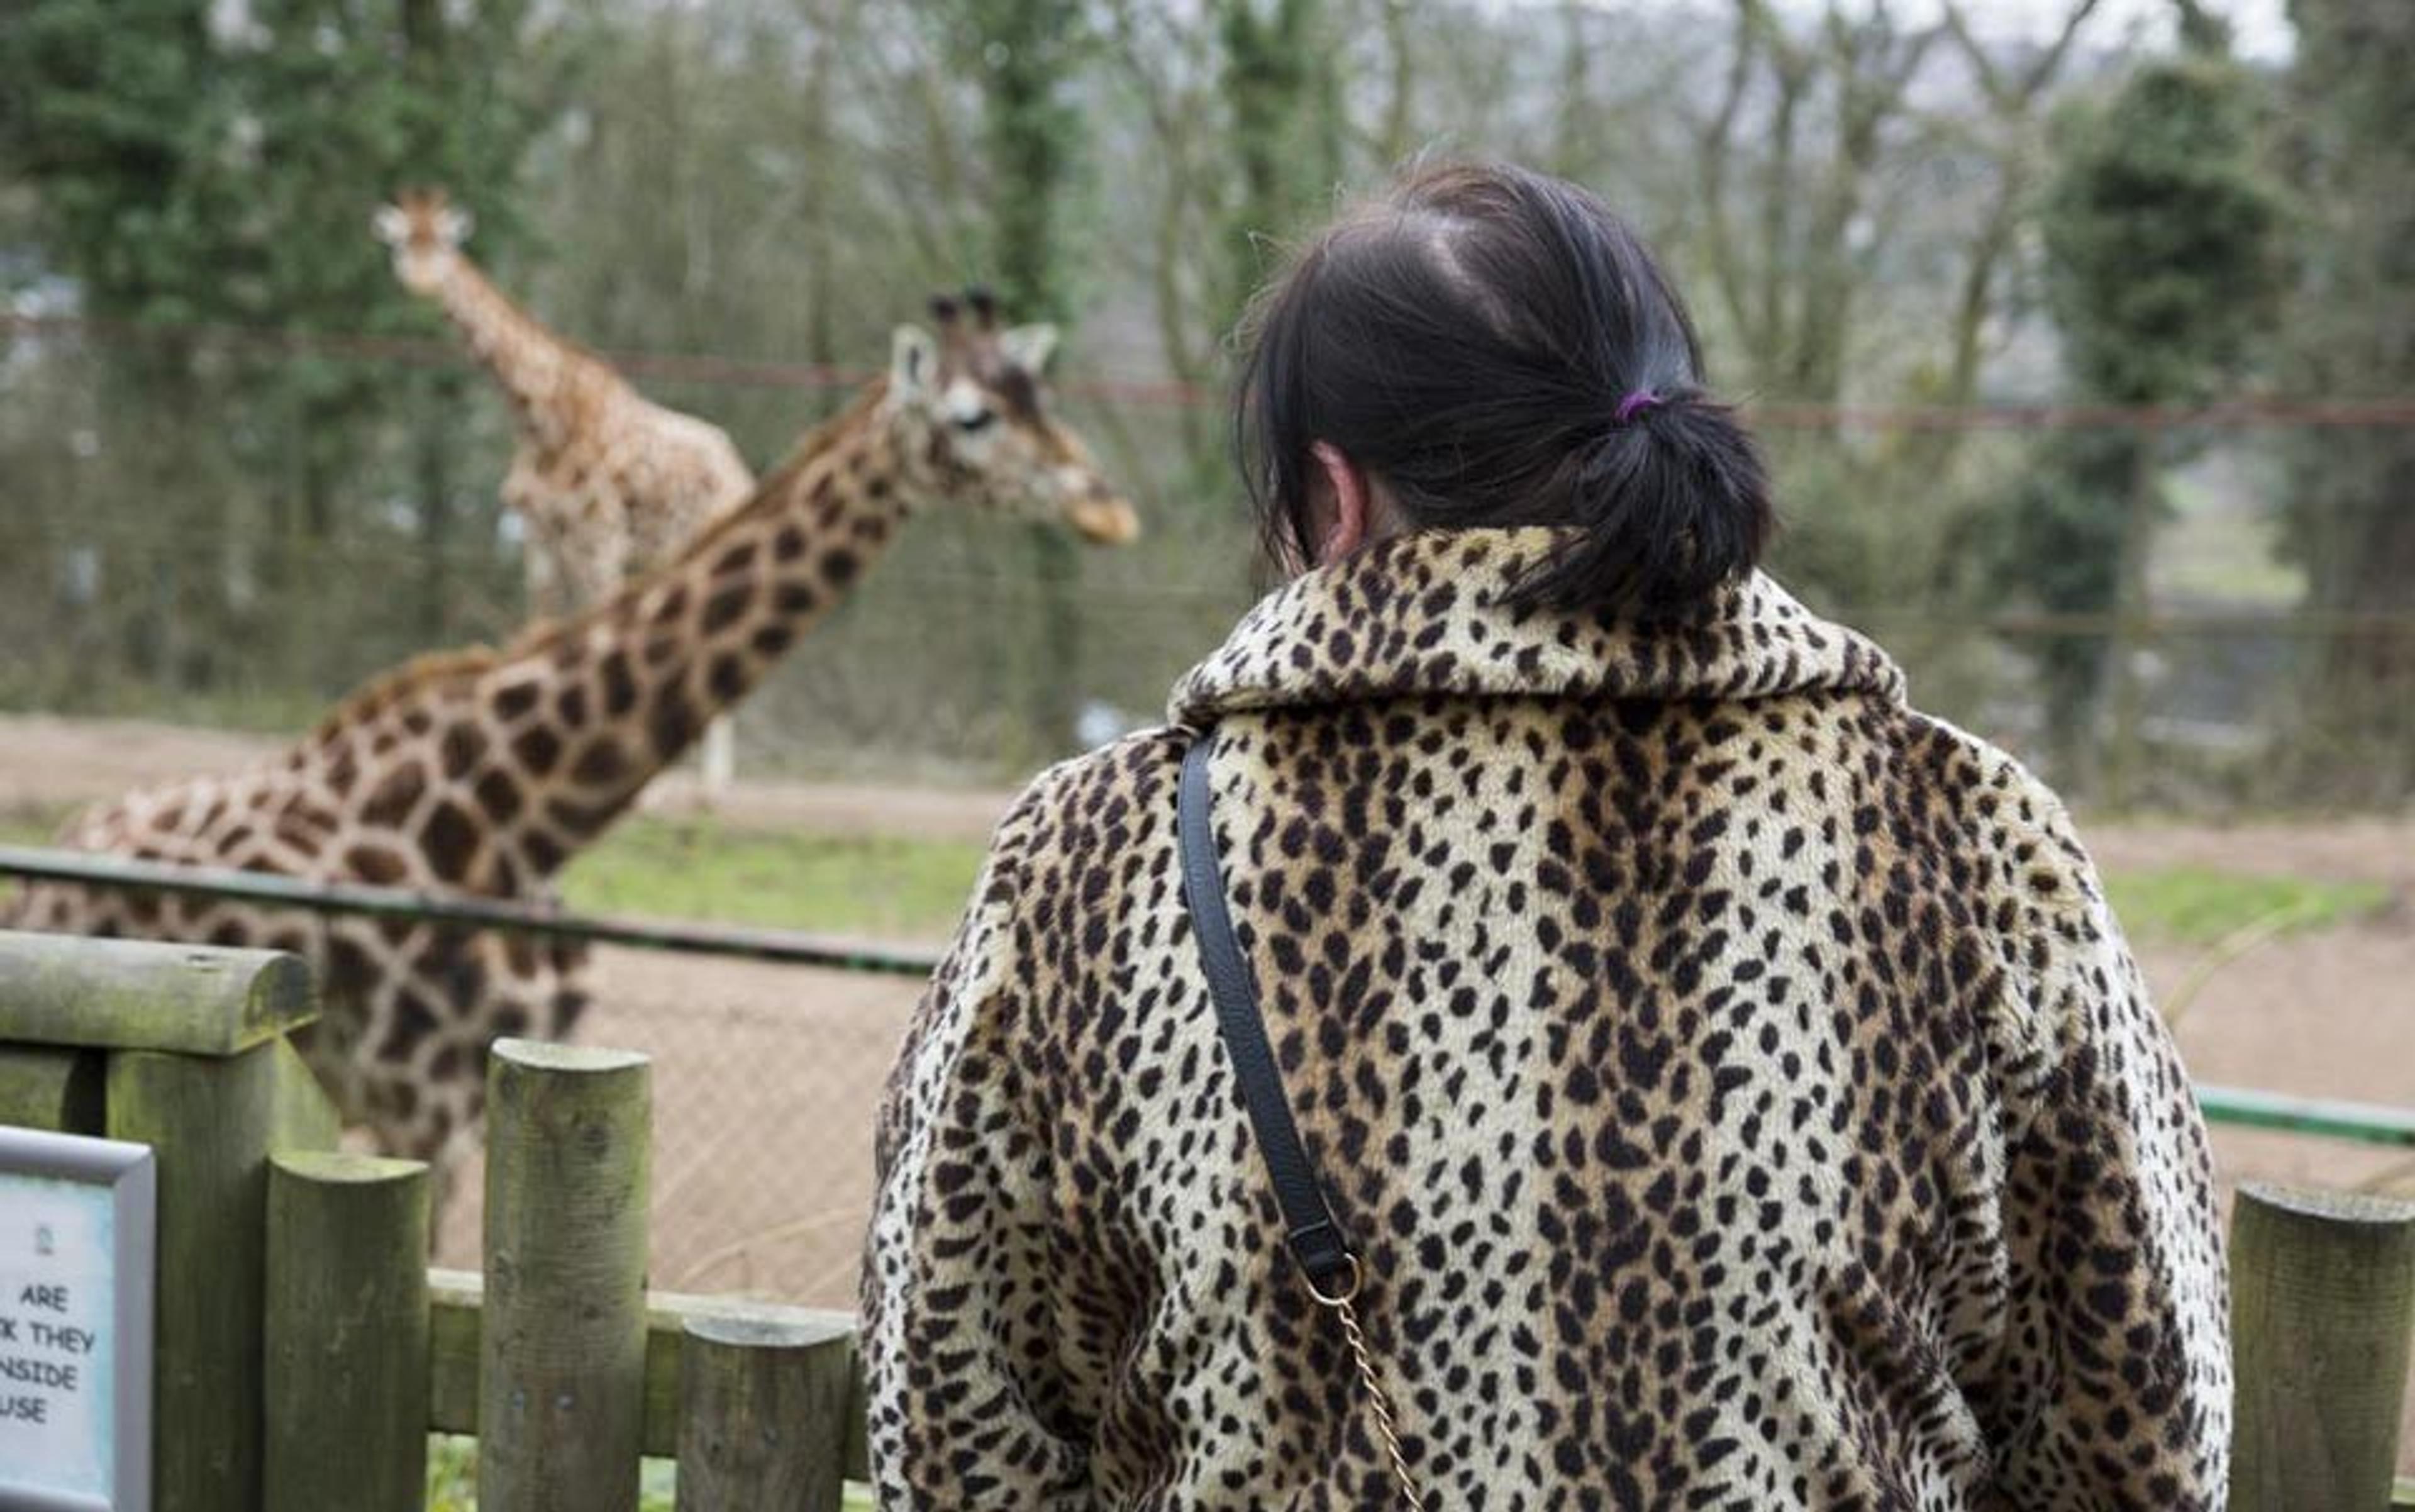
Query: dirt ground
766	1075
761	1133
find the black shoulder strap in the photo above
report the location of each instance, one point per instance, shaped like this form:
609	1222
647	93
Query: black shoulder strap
1317	1242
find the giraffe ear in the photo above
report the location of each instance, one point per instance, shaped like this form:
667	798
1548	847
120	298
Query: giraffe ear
1028	347
456	224
391	225
914	360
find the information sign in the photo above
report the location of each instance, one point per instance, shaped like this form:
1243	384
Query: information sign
76	1228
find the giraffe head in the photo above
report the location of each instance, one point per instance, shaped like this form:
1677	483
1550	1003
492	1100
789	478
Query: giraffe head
972	397
425	231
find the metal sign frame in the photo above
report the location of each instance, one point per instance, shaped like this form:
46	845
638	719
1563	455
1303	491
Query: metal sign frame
130	1175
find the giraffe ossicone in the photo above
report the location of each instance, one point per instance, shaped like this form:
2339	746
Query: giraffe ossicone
485	772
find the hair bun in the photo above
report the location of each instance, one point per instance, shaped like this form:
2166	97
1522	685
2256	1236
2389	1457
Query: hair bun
1673	498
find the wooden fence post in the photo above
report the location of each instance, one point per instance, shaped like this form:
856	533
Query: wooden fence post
176	1047
763	1416
47	1088
347	1334
2322	1302
209	1122
562	1341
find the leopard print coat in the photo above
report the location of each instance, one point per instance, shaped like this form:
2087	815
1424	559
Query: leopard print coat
1734	1079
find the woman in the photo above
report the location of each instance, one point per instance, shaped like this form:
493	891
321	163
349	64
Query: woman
1731	1084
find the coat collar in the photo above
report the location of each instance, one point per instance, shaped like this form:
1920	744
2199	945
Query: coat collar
1421	614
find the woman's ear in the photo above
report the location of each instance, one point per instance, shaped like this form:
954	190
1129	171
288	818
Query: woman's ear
1343	484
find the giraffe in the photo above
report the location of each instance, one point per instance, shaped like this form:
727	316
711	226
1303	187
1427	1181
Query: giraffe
607	483
484	772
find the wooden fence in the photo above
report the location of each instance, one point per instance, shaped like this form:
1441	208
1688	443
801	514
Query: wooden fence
304	1352
303	1348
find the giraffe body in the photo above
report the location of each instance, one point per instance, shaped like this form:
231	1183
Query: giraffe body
578	502
396	1047
484	772
608	485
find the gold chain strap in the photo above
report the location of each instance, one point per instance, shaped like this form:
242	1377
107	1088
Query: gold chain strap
1379	1404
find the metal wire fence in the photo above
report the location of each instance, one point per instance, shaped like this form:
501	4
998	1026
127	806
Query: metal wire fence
2179	637
216	564
765	1176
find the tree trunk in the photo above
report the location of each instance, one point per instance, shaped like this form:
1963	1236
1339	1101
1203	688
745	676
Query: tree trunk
2353	334
2357	538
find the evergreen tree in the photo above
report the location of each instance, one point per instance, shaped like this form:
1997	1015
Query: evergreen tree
1283	98
1026	52
198	166
2159	232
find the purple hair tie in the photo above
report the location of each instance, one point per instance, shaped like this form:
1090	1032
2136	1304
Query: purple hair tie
1635	404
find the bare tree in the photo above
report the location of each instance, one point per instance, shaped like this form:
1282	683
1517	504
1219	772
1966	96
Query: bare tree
1786	226
1169	71
2010	135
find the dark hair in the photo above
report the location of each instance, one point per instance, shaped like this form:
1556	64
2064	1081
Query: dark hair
1471	338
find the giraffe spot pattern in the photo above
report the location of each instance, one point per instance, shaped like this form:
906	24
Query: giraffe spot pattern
484	770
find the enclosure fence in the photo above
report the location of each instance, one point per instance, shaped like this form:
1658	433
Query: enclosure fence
791	946
2364	1123
304	1352
705	367
230	564
2198	614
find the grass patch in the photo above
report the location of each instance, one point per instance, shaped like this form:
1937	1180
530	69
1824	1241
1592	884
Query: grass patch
452	1473
913	888
703	869
31	825
453	1479
2199	905
848	885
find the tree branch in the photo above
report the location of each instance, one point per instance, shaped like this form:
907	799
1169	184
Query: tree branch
1717	142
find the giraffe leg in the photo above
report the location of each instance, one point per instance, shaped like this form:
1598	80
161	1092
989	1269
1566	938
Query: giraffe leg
449	1165
717	757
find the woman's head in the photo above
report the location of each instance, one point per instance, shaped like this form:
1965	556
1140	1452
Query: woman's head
1491	347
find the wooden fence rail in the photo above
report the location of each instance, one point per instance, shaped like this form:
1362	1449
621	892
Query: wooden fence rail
457	1306
305	1353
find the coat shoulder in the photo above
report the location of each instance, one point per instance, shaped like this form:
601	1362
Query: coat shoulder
2007	812
1078	798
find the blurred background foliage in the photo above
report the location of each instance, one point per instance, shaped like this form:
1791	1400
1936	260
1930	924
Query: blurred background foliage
240	469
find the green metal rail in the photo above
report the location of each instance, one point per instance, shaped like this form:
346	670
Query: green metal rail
2369	1123
89	869
2366	1123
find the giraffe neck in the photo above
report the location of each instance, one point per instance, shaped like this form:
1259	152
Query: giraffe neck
533	366
541	747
